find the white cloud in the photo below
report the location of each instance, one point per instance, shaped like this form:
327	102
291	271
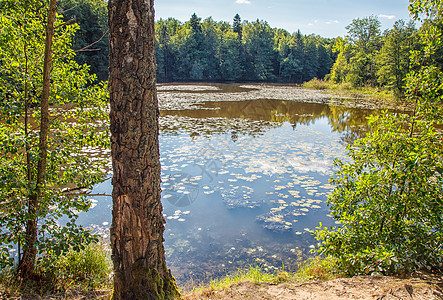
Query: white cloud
332	22
242	1
390	17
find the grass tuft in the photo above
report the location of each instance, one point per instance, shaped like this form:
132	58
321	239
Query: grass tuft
316	84
316	268
85	270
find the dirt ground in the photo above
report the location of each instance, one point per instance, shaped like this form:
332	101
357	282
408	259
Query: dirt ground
364	287
418	287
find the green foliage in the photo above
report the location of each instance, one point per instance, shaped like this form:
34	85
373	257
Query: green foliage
194	22
79	270
246	51
89	268
91	39
364	37
393	58
361	69
365	34
340	69
367	58
237	26
77	121
258	39
389	197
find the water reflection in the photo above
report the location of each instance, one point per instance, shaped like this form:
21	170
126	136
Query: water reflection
244	182
263	114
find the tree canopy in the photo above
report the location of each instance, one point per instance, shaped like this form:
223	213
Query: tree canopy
244	51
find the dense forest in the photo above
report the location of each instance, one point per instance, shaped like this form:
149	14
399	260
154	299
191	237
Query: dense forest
208	50
218	51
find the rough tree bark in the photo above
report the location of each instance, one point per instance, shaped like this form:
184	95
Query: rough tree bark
27	264
137	221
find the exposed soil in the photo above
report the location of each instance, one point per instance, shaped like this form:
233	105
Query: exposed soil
364	287
419	287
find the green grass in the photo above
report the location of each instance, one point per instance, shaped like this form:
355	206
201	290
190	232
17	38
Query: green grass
85	270
347	89
89	269
313	269
253	274
317	268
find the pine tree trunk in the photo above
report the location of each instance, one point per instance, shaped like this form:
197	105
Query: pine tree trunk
27	264
137	221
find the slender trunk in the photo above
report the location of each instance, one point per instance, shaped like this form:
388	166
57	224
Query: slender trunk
27	264
27	146
138	254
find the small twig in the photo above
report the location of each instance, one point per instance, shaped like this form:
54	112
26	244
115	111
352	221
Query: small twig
65	23
86	47
84	50
100	195
70	9
89	195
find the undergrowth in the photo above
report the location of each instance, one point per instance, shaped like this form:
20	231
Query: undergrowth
351	91
84	270
316	268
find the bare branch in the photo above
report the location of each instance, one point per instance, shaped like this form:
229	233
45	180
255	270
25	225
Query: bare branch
90	45
65	23
66	10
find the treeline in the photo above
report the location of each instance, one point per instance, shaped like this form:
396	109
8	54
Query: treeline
207	50
244	51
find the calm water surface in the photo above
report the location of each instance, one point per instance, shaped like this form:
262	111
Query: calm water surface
244	183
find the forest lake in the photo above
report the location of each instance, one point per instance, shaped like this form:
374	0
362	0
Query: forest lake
245	172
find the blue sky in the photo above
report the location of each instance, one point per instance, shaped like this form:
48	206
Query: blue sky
327	18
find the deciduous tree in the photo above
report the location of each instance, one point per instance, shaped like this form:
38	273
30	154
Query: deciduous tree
389	196
393	58
47	122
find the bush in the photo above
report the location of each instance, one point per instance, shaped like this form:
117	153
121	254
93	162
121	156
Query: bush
89	268
389	200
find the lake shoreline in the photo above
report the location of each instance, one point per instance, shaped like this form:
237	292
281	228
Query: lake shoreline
179	96
416	286
219	98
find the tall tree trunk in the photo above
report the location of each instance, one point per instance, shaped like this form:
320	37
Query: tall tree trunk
138	254
27	264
